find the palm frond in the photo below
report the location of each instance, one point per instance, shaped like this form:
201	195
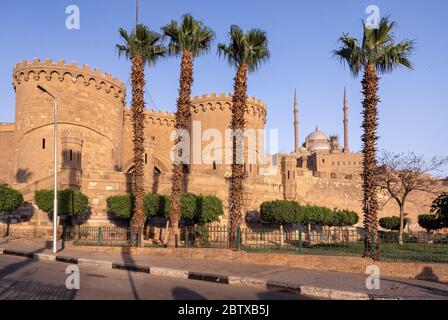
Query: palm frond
249	48
141	42
378	47
190	35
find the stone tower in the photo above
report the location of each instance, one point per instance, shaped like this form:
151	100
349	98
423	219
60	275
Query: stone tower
71	141
296	124
289	166
346	147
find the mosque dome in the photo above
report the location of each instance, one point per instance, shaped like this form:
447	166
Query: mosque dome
320	147
316	135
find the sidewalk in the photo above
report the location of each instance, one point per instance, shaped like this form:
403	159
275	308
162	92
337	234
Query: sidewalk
322	284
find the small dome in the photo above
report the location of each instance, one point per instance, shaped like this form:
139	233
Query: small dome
320	147
316	135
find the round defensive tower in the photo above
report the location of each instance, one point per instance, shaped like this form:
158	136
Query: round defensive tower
90	106
214	112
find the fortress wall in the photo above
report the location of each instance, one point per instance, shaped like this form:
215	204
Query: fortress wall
160	125
98	186
345	194
214	112
7	152
89	102
339	162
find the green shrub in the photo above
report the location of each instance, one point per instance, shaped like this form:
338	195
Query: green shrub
151	204
440	207
194	209
281	212
10	199
70	202
391	223
344	218
314	215
189	207
121	206
210	208
430	222
164	206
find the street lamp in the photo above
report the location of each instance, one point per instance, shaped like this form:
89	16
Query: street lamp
55	203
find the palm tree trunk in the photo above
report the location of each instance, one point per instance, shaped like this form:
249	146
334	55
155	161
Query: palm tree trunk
237	127
182	116
138	122
369	138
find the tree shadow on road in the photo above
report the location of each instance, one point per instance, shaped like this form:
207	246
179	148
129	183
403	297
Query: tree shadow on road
182	293
427	275
24	289
127	259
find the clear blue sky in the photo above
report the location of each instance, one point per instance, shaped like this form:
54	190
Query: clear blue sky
414	108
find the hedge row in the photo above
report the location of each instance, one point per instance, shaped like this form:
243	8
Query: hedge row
283	212
70	202
194	209
10	199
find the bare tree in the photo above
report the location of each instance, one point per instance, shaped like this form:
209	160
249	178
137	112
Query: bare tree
403	173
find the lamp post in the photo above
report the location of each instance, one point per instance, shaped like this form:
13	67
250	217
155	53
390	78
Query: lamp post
55	203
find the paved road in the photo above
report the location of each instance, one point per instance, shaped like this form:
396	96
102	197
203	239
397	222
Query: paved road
26	279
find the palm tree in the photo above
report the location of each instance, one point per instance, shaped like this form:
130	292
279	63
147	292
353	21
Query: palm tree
378	54
246	52
142	47
189	39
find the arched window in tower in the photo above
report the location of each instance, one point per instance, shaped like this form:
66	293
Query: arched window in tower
43	144
289	175
71	155
146	158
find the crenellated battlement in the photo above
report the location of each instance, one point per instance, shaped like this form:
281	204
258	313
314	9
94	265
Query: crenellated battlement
155	117
49	70
225	97
223	101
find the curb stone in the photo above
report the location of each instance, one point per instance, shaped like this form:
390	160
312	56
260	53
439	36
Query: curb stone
44	257
333	294
96	263
130	267
68	260
208	277
18	253
274	285
221	279
171	273
238	281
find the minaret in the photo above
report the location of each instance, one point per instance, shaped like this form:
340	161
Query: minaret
346	148
296	124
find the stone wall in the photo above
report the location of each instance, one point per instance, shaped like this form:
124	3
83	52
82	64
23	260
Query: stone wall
7	148
347	194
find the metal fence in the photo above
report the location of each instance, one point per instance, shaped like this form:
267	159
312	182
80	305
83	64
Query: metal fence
301	241
102	236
